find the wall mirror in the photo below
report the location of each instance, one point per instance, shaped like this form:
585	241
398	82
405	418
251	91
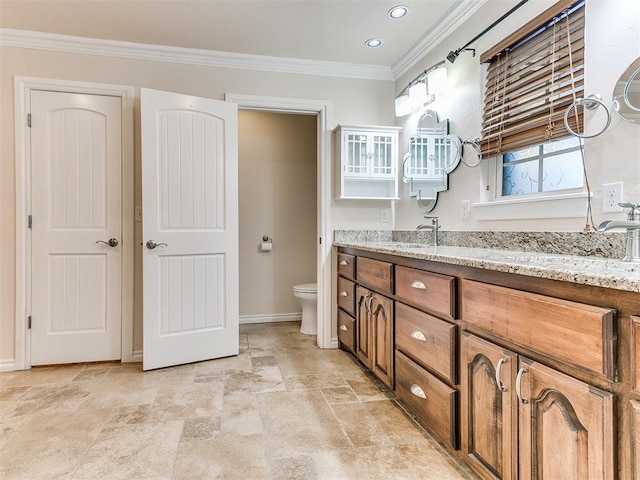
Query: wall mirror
433	154
626	93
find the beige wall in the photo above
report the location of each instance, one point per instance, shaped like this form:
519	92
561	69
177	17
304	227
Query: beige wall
612	43
352	101
277	159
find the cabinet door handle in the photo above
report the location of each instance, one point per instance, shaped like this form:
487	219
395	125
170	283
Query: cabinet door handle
500	385
343	293
418	335
344	263
521	372
370	302
418	391
418	284
343	328
364	301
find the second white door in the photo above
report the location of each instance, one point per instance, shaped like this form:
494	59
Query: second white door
190	228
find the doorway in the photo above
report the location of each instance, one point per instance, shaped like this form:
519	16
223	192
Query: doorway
327	337
277	162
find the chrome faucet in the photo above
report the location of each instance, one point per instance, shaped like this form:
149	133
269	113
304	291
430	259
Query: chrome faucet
632	224
433	227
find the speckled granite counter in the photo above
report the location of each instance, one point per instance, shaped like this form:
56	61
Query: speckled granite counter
596	271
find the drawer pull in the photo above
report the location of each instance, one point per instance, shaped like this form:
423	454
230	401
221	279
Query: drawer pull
418	284
418	335
522	371
499	384
343	293
344	263
418	391
343	328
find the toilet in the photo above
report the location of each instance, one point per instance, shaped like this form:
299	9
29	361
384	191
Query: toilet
307	295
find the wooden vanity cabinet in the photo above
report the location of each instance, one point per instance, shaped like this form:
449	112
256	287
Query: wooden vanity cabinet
346	294
635	441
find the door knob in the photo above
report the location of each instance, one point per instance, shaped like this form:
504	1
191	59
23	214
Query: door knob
152	244
112	242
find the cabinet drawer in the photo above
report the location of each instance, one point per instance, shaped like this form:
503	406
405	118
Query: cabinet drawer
347	331
635	355
433	402
375	273
347	265
346	295
428	340
431	291
579	334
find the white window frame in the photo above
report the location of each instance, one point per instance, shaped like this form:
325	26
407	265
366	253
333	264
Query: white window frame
569	203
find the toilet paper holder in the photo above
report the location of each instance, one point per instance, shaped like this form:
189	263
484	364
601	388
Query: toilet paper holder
266	245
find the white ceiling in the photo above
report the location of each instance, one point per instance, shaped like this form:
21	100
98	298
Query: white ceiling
326	30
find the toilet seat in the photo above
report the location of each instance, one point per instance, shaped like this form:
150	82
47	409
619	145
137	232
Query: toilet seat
306	288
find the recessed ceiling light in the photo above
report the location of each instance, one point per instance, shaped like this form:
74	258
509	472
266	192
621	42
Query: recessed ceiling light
373	42
398	11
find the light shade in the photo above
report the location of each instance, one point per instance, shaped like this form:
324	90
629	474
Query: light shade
403	105
418	93
437	81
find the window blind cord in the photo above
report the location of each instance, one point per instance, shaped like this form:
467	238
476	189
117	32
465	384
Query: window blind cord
589	224
548	134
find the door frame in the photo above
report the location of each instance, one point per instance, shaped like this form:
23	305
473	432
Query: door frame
23	86
322	110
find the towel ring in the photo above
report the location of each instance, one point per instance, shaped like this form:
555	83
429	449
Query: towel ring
476	145
591	102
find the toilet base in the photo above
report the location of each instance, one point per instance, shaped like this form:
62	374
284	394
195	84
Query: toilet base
309	323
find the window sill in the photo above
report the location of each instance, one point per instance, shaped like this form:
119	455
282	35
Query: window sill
566	205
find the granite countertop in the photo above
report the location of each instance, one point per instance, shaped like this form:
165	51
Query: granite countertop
596	271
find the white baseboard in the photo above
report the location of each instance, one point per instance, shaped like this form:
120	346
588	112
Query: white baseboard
276	317
136	357
8	365
334	342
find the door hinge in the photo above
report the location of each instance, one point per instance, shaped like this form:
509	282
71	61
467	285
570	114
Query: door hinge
29	322
29	120
30	221
320	240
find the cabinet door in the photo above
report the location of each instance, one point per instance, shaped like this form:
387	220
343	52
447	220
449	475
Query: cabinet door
383	155
356	155
363	326
566	426
635	440
488	415
381	319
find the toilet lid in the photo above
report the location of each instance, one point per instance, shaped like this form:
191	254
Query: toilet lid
306	288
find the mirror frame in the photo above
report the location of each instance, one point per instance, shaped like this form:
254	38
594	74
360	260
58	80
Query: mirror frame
629	82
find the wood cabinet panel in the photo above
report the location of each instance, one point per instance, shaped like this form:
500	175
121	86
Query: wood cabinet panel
566	427
579	334
428	340
489	427
347	265
347	331
374	334
431	291
635	445
432	401
347	295
376	274
635	354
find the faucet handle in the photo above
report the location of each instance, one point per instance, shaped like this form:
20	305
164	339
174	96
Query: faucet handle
634	213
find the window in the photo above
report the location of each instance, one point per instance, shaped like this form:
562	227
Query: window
532	77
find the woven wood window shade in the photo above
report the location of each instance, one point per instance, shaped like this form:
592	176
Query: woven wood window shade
533	76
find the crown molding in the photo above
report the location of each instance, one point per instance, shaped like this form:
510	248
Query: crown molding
452	19
191	56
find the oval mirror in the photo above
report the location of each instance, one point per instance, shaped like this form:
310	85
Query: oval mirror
433	154
626	93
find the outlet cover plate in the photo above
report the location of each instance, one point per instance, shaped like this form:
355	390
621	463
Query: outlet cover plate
611	196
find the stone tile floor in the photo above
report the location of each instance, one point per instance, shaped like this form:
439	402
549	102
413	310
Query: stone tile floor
281	409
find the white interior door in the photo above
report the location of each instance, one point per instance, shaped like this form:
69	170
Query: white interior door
76	201
190	228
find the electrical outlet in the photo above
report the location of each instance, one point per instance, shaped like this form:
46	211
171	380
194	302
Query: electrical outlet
385	215
464	209
611	196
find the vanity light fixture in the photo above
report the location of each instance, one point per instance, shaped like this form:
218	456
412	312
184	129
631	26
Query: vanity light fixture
373	43
398	11
422	90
